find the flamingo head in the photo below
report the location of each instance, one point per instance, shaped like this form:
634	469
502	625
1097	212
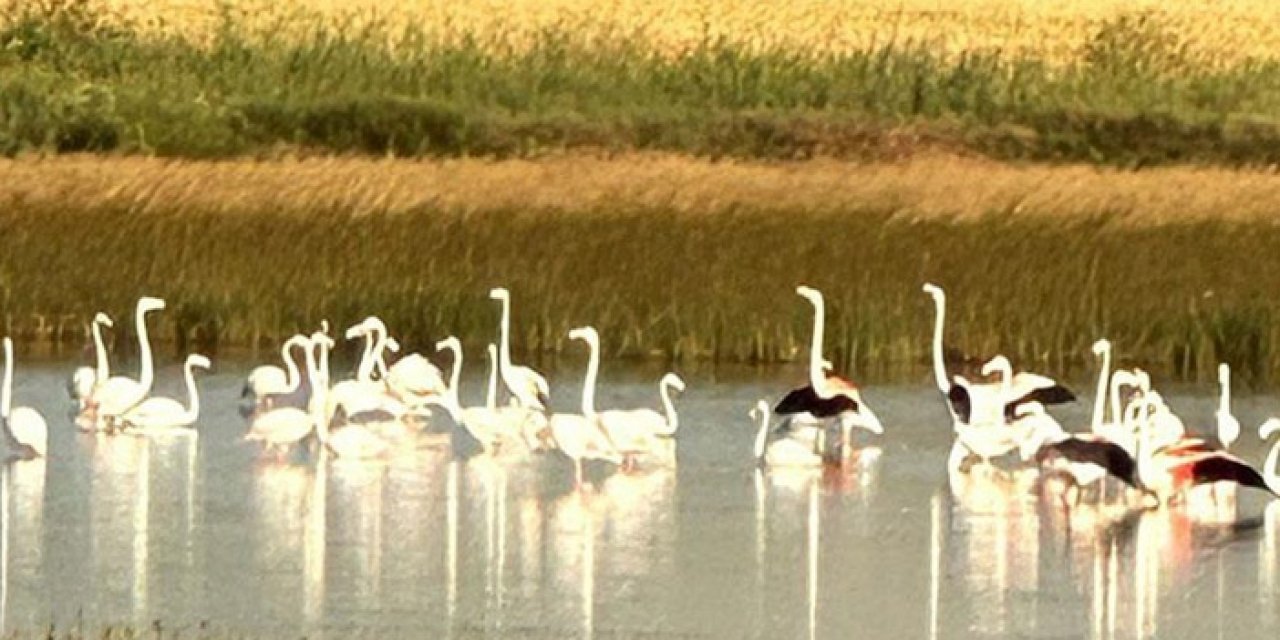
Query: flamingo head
761	409
324	327
672	380
810	294
1266	429
198	361
452	342
586	334
148	303
103	319
499	293
1224	373
321	339
393	345
1101	346
934	290
998	363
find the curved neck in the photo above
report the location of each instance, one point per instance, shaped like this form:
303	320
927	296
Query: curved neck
380	351
322	362
1271	468
293	377
589	383
364	373
6	393
1100	398
762	434
1005	369
456	375
939	369
673	420
100	352
1116	410
815	343
504	337
193	406
491	394
316	403
1224	394
147	373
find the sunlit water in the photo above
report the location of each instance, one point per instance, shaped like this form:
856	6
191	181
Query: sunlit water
128	530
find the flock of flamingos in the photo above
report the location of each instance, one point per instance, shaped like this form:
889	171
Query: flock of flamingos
1134	438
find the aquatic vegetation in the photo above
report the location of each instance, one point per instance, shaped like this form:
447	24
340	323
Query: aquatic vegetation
1098	82
249	253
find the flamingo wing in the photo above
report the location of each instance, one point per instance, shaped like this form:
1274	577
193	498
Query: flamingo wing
1096	451
806	400
1221	467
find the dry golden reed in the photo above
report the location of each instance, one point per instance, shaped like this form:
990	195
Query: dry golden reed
926	187
1220	32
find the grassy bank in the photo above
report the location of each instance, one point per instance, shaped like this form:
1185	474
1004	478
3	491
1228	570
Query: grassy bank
669	257
1126	88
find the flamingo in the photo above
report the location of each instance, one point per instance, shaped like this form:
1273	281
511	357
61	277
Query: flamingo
281	427
119	394
293	393
1228	426
26	427
528	387
364	394
412	377
1084	459
827	395
271	380
489	425
783	451
632	432
85	380
166	414
580	436
982	403
1169	471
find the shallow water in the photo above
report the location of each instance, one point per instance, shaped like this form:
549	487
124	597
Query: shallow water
127	530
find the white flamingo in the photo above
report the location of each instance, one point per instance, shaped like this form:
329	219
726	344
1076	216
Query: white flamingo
491	426
412	378
281	427
632	432
291	392
528	387
85	380
118	393
784	451
579	436
269	379
25	425
828	395
158	414
365	394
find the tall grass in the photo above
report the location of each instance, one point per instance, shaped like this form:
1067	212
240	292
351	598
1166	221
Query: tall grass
708	280
1134	93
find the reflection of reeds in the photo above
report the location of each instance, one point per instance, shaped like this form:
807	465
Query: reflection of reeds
668	257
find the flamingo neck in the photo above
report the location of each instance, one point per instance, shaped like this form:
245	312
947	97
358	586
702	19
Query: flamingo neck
322	363
317	402
673	420
1100	399
939	368
1271	468
1005	369
504	339
1224	393
147	373
491	394
380	353
293	378
6	393
455	375
816	377
364	373
100	353
193	405
589	383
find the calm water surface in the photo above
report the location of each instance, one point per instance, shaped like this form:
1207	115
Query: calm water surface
126	530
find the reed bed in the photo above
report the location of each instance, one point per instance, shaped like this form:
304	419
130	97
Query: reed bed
1098	83
672	258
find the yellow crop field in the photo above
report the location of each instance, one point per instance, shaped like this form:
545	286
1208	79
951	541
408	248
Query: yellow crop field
1213	31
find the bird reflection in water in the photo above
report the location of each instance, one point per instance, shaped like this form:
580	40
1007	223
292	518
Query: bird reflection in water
21	539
